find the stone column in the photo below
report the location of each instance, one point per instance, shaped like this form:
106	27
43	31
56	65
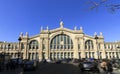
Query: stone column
25	51
95	43
47	48
103	51
76	48
40	49
82	47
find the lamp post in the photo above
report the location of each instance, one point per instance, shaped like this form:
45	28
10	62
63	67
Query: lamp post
8	48
96	38
89	49
19	39
118	52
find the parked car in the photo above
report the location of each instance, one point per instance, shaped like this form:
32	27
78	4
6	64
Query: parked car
30	65
75	60
58	61
17	60
89	66
49	60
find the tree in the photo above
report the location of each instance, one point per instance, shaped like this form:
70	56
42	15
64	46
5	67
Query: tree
111	7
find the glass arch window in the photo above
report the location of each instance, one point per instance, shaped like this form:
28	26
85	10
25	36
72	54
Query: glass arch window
61	41
89	44
33	44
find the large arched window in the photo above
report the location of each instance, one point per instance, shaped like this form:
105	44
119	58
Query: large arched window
89	44
61	41
33	44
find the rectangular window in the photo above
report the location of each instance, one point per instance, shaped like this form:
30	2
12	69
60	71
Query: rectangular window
79	55
78	46
68	55
43	46
72	55
72	46
64	39
93	54
68	46
85	54
54	46
105	46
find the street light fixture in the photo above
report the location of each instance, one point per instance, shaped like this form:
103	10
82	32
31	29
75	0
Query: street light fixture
8	48
118	52
96	38
19	54
19	39
89	49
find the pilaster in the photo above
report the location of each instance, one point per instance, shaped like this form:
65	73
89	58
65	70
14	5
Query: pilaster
82	48
76	55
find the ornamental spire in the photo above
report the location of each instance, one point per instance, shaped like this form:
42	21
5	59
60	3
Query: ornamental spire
101	34
61	24
75	28
95	33
47	28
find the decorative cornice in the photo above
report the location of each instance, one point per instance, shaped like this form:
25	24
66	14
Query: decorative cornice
67	30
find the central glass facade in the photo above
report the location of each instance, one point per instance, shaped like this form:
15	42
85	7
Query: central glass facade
61	41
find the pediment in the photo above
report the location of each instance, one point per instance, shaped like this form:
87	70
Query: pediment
62	29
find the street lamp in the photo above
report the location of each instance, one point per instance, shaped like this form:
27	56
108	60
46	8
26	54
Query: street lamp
89	49
19	39
8	48
118	52
96	38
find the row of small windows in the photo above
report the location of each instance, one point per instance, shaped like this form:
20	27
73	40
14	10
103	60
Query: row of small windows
33	56
11	46
58	42
60	55
60	45
112	55
111	46
92	55
33	45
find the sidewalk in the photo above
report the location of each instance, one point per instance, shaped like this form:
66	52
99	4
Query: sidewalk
16	71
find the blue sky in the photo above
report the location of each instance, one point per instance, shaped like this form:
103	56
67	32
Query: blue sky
29	15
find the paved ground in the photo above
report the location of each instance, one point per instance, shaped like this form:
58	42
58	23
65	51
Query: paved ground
54	69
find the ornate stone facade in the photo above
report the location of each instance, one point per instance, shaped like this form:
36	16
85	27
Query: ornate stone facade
61	43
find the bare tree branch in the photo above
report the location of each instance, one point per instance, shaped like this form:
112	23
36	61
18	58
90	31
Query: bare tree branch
112	7
96	5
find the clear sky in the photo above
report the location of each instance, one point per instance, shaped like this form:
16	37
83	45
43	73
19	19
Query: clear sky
29	15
